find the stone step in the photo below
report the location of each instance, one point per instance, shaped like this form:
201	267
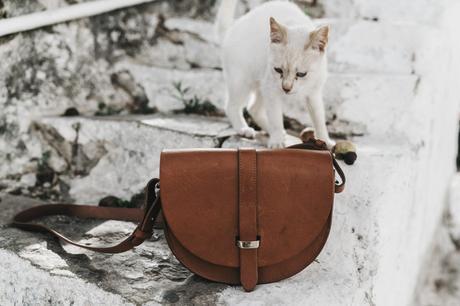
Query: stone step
377	237
391	190
376	72
355	98
390	11
106	74
384	77
379	47
129	146
354	46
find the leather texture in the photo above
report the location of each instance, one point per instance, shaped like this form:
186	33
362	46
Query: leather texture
208	202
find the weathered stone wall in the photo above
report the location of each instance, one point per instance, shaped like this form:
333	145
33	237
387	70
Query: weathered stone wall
68	65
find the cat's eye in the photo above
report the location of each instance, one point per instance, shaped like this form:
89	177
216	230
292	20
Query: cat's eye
301	74
279	70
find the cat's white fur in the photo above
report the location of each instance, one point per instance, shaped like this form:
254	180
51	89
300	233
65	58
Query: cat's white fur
276	34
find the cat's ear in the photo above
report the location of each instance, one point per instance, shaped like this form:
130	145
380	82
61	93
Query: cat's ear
278	34
319	38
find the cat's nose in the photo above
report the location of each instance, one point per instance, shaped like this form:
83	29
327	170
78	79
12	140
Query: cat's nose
287	89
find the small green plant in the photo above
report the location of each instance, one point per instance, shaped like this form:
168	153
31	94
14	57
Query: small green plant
193	105
43	160
45	174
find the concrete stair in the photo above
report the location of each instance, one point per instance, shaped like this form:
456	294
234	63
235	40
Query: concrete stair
384	85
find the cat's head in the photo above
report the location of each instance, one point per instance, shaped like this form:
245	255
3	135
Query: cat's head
295	52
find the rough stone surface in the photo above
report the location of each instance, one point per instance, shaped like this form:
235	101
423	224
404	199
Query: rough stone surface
440	283
453	211
75	65
345	95
416	11
126	149
22	283
169	89
37	269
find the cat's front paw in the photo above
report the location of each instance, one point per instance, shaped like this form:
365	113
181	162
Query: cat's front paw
276	142
247	132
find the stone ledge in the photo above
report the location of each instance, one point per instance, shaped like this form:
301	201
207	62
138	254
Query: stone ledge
32	285
35	268
350	97
362	216
117	155
357	46
415	11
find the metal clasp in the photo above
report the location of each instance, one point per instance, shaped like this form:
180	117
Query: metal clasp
248	244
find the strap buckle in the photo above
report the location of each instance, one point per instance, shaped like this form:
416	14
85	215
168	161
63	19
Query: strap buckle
248	244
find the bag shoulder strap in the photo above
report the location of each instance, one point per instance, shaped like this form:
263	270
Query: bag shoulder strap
144	216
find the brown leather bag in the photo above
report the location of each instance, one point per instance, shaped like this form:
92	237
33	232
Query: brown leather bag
241	216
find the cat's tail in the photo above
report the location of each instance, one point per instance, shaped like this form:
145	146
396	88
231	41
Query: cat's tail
225	18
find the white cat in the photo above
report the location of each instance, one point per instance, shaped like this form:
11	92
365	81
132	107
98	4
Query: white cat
271	54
